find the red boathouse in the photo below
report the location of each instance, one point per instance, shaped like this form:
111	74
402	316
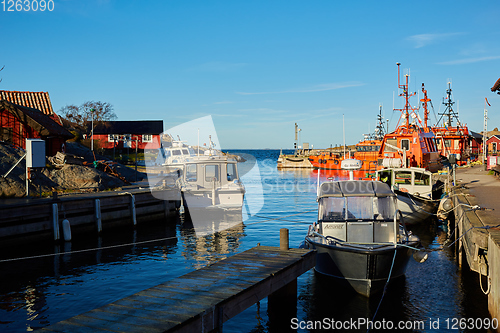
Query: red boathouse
25	114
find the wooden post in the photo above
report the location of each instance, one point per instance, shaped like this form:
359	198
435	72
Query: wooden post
282	306
132	209
98	215
284	239
55	221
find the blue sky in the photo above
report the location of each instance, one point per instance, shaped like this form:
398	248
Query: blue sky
257	66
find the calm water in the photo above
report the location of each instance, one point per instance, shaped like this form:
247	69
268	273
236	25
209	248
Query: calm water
37	292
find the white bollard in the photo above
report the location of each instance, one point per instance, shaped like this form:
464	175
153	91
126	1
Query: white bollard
66	230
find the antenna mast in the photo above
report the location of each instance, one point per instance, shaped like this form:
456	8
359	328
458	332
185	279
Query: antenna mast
406	94
424	101
449	113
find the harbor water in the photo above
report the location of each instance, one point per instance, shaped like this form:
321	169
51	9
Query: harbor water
40	286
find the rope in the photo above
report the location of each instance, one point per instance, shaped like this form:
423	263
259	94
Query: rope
87	250
487	276
385	287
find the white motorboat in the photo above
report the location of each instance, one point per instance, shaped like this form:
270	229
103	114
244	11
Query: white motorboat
173	154
211	180
418	196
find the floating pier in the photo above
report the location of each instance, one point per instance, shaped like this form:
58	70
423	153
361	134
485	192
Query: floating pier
477	234
40	219
204	299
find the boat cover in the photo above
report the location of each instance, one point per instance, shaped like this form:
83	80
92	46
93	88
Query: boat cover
355	188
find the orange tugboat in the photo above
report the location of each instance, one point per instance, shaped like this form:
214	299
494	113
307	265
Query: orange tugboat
366	151
412	143
451	139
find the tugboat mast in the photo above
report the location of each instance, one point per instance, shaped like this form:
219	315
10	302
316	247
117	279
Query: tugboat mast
424	101
379	130
449	113
406	94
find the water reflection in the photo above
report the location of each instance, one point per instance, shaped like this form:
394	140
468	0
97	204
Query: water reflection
217	234
37	292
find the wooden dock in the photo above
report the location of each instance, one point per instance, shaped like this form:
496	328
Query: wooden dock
204	299
37	219
477	234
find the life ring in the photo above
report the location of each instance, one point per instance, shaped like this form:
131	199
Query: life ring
320	161
336	162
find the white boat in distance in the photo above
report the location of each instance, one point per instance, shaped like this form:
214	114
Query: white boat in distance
173	154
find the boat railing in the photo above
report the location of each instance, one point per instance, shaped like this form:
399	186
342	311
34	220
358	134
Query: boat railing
366	232
330	240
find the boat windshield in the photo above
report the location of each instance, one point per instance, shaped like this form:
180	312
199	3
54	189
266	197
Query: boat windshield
191	175
333	209
422	179
231	172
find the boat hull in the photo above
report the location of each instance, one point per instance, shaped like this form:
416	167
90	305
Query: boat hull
205	198
415	209
366	270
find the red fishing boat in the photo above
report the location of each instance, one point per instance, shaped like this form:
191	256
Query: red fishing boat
367	152
412	143
451	139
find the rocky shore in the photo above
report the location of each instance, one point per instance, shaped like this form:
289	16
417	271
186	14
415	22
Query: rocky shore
61	178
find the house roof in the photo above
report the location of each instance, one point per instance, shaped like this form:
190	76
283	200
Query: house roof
475	135
497	137
128	127
42	123
36	100
496	86
32	99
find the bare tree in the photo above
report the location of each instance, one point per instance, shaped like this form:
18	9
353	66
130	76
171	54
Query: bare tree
81	115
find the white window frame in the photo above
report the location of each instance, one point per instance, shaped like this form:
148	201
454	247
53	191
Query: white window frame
147	138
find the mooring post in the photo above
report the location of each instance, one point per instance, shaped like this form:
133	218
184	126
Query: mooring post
55	221
284	239
282	304
98	218
132	209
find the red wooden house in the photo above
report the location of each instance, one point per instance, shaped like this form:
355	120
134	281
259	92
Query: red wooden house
475	144
125	134
493	145
25	114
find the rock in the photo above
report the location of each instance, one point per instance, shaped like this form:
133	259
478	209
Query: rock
68	177
82	178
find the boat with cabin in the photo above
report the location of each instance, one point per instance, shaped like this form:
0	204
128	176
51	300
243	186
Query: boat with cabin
366	152
418	196
359	236
211	180
172	154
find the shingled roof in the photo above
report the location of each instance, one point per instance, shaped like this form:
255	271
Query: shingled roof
36	100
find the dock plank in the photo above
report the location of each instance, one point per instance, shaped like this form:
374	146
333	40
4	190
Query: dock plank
200	300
